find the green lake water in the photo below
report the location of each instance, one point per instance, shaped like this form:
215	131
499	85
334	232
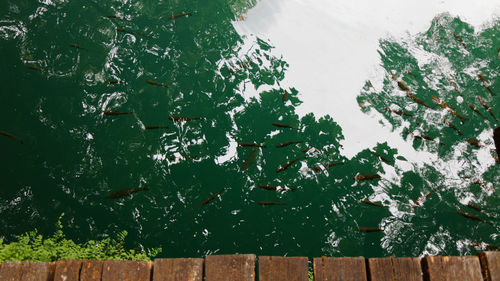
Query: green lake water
230	88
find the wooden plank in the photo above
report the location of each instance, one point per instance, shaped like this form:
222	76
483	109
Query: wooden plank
452	268
68	270
126	271
283	269
339	269
394	269
91	270
178	270
490	264
38	271
230	268
11	271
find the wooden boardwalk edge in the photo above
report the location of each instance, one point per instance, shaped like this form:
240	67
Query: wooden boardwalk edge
485	266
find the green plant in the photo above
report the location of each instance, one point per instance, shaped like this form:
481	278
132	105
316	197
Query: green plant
31	246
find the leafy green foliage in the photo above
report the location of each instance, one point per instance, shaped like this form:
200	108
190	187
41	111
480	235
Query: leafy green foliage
31	246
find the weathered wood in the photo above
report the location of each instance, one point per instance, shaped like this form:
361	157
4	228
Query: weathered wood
339	269
178	270
91	271
68	270
283	269
126	271
490	264
395	269
11	271
230	268
452	268
38	271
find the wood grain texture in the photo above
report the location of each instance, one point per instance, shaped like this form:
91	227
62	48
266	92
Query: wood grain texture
230	268
283	269
178	270
11	271
68	270
91	271
490	264
395	269
339	269
126	271
38	271
452	268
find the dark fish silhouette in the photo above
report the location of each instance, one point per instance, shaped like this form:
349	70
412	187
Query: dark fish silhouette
249	159
182	118
473	108
369	229
319	168
284	167
155	127
269	203
210	198
485	84
250	144
112	81
288	143
472	217
77	46
285	95
32	67
9	135
179	15
496	139
487	106
155	83
368	202
125	192
281	125
113	113
362	177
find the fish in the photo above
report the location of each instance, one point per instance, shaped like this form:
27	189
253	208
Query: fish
155	83
77	46
417	100
285	95
451	109
383	158
485	84
281	125
32	67
486	245
268	186
247	144
210	198
284	167
488	108
181	118
269	203
9	135
179	15
398	112
125	192
473	142
324	167
368	202
459	39
419	200
249	159
113	113
112	81
473	108
288	143
155	127
362	177
369	229
472	217
452	126
496	139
